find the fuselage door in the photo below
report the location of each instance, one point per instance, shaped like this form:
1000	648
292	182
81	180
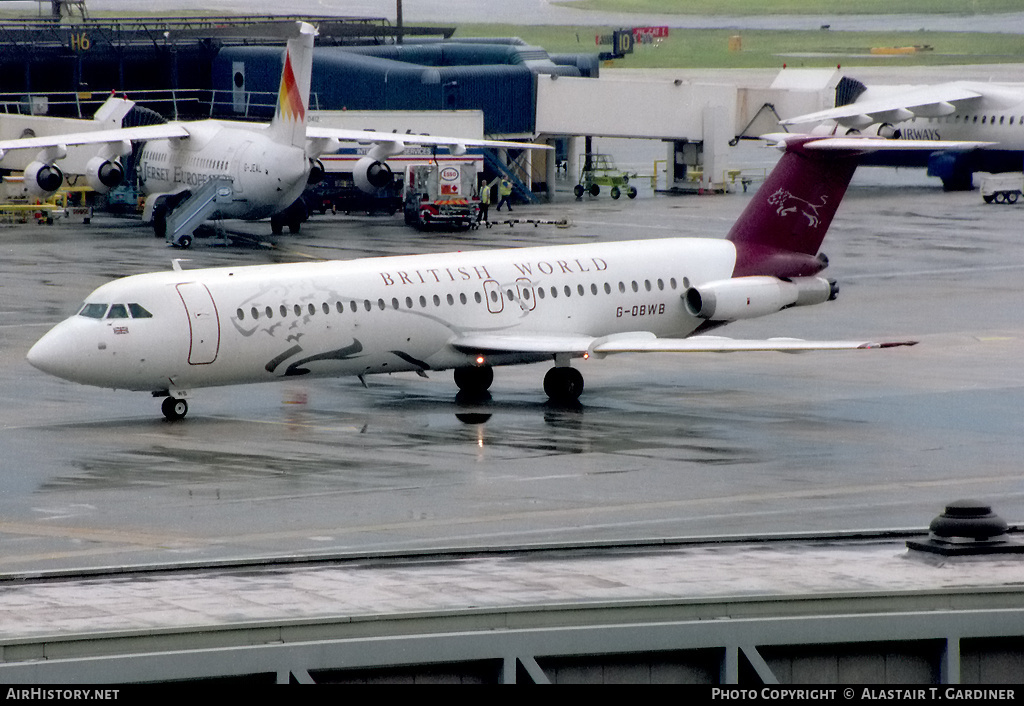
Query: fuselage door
203	322
494	296
527	299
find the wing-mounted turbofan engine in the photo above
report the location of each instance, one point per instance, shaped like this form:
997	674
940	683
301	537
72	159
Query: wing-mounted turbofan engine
105	171
316	172
42	175
370	172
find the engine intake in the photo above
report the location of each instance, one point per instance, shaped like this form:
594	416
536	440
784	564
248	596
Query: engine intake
103	174
42	179
751	297
370	175
316	172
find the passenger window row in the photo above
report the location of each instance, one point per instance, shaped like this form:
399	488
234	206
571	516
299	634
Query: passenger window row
312	309
982	119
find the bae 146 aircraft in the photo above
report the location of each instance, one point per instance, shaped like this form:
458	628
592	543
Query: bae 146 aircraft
258	170
958	110
169	333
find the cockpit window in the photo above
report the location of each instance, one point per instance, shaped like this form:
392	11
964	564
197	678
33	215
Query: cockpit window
138	312
93	311
117	311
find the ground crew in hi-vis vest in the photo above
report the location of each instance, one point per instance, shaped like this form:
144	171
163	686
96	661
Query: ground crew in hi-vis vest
504	193
484	192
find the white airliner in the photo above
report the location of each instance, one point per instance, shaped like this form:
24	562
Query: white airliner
262	168
959	110
169	333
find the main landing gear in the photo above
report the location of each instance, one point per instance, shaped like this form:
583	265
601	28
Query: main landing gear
474	381
562	383
174	409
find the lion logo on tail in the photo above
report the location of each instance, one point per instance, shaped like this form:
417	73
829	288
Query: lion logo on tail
786	203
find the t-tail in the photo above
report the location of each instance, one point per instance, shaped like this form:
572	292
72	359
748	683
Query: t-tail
289	123
785	222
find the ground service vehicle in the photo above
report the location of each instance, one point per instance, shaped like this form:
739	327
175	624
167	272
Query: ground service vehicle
599	170
1001	188
441	196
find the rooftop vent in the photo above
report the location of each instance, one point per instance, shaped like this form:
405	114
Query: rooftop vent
968	527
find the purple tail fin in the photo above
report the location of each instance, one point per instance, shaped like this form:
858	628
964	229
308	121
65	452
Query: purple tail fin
782	227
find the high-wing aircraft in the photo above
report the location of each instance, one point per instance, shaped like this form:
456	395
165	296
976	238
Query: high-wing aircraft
224	169
959	110
171	332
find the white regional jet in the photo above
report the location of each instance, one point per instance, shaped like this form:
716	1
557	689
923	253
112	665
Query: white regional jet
958	110
169	333
259	170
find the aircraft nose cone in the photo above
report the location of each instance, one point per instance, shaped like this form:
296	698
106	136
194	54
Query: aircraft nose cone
51	355
43	355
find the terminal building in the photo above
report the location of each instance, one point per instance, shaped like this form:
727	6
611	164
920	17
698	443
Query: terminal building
191	68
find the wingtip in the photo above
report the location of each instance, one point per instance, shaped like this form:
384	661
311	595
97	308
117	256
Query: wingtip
889	344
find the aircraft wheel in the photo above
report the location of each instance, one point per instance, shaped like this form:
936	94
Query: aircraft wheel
474	380
174	409
276	224
563	384
579	191
615	192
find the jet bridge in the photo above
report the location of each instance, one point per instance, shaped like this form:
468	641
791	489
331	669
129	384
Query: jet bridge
676	111
698	119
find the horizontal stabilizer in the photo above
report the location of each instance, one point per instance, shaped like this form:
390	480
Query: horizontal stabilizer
866	143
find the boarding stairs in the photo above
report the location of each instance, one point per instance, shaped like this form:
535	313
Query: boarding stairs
518	187
184	218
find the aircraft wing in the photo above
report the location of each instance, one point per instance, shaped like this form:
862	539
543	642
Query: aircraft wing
98	137
343	135
180	130
524	343
647	342
721	344
926	101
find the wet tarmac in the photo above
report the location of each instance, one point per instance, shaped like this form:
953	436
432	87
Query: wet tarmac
661	445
